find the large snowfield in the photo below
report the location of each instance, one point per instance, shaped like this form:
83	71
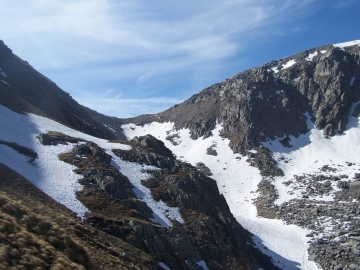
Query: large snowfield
55	177
237	180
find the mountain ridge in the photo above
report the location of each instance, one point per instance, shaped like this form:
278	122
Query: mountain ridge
23	89
235	127
250	100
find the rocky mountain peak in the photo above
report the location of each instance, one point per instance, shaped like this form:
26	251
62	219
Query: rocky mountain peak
271	100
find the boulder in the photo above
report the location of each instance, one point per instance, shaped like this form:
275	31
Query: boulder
355	187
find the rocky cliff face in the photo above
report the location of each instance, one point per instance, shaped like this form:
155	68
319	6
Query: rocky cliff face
274	101
209	232
270	100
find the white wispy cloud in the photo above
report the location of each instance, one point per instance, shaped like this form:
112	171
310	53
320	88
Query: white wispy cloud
125	107
140	40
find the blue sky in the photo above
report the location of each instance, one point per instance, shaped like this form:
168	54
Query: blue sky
131	57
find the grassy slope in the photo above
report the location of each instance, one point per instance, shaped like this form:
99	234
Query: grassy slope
36	231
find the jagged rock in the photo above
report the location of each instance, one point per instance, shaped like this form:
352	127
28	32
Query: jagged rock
250	104
154	145
343	185
99	153
355	187
138	205
82	149
202	167
209	233
211	151
181	243
263	160
154	157
55	138
115	184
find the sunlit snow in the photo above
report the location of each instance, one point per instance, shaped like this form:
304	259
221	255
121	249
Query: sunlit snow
284	66
347	44
274	69
237	181
311	56
56	178
311	151
288	64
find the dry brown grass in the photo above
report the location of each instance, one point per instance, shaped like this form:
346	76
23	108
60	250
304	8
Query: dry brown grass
31	241
104	206
40	223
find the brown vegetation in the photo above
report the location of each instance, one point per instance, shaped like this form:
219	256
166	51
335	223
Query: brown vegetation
47	234
31	241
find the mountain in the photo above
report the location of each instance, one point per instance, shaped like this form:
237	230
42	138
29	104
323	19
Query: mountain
296	121
270	101
263	165
23	89
137	206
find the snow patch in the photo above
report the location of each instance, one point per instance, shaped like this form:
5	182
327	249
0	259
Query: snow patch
311	56
323	51
163	266
288	64
278	92
202	264
274	69
135	173
284	66
4	82
347	44
54	177
311	152
352	81
113	130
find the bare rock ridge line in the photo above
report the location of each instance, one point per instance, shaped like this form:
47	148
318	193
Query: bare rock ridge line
270	101
264	102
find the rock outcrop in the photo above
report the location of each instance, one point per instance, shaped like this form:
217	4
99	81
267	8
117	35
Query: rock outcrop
209	233
270	101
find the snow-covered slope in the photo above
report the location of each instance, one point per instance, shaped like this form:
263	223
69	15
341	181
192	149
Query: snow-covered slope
312	153
56	178
237	181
